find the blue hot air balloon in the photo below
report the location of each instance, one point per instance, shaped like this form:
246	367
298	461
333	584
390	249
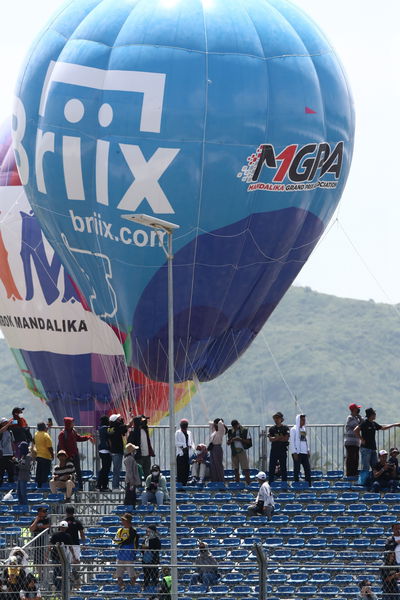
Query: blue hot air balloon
230	118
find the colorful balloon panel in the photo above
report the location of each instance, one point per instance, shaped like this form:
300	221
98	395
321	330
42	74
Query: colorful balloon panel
68	357
230	118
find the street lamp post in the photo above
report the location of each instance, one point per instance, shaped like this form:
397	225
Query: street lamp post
167	227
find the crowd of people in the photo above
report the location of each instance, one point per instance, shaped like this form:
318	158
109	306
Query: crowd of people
127	447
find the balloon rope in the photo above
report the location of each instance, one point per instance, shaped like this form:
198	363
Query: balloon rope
369	270
298	407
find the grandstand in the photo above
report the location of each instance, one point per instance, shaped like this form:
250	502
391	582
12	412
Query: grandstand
319	544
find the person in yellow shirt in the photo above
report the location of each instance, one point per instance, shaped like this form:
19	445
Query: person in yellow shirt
44	454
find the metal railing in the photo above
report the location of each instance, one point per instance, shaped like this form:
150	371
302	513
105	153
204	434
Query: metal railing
326	442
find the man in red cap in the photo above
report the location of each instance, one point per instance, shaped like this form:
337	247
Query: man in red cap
67	440
352	441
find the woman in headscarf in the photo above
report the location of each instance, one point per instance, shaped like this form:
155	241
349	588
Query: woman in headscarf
217	432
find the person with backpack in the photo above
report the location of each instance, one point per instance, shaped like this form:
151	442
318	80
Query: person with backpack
240	441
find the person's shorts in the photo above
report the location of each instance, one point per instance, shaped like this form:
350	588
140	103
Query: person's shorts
240	460
125	565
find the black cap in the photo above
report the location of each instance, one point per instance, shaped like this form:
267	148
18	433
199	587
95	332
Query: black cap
369	412
152	527
17	410
278	414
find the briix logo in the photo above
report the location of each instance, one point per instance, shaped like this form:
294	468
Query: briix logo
142	175
294	169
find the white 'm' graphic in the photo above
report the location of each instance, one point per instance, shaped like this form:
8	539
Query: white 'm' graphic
151	85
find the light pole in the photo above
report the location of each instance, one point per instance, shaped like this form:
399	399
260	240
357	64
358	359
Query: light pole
167	227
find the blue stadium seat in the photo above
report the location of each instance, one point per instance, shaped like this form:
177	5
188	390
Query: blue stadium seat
349	497
352	531
335	508
381	508
205	508
288	531
286	590
309	530
280	555
241	589
300	485
218	590
197	589
277	578
294	507
236	485
321	485
331	530
314	508
279	519
203	530
320	578
330	590
232	578
351	591
223	530
307	497
317	542
272	542
298	578
217	485
300	519
308	590
295	542
110	589
328	497
334	474
285	497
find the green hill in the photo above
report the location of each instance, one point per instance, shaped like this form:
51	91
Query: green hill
327	351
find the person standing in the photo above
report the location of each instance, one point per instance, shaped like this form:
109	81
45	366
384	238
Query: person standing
139	436
24	465
299	449
77	533
240	441
127	541
44	454
367	433
217	432
352	441
184	443
278	435
265	503
39	524
132	477
7	461
390	576
151	556
116	435
67	441
104	454
20	430
58	538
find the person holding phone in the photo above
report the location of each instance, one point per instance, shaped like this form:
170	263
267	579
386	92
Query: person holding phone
7	460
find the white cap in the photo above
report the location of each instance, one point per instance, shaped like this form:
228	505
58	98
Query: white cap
63	524
261	475
114	418
382	452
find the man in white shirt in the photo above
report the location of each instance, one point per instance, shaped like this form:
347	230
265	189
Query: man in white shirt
299	449
265	503
184	444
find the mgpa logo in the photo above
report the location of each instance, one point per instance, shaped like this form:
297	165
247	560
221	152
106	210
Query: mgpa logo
296	168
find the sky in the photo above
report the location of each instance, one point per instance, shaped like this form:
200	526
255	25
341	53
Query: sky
358	255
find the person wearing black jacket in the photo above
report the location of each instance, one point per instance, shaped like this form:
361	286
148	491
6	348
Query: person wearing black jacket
139	436
278	435
239	441
104	454
116	433
151	547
